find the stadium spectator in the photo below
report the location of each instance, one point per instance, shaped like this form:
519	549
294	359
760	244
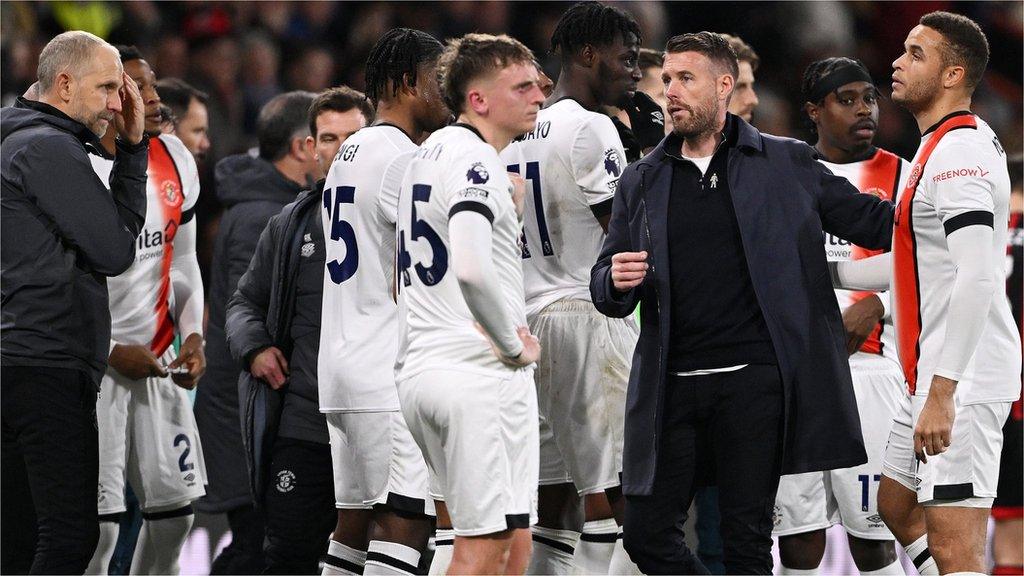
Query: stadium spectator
724	316
273	328
63	235
253	189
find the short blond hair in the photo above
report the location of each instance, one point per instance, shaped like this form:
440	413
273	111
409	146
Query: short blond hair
471	56
70	51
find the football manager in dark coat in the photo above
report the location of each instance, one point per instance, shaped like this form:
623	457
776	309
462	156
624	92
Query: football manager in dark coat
741	373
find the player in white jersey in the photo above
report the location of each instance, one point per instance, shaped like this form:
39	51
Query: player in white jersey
380	476
147	433
842	105
465	367
571	162
960	351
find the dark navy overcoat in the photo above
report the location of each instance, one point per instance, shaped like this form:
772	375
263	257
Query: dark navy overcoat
784	199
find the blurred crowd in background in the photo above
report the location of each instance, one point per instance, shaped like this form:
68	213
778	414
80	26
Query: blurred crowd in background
244	53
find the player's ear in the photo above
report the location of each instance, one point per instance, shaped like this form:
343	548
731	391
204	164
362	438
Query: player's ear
588	55
953	76
476	102
812	111
407	85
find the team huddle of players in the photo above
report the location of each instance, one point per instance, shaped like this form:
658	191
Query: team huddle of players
461	361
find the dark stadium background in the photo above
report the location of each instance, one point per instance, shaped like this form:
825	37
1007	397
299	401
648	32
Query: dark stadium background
244	53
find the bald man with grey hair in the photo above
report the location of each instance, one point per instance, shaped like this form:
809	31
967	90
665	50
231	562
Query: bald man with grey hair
62	233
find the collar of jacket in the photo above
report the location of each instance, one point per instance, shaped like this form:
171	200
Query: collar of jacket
747	137
62	120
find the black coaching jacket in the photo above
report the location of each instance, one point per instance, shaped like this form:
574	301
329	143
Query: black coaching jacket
783	199
259	315
63	235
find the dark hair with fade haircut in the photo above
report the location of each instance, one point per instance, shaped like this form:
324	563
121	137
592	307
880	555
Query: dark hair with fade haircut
128	53
178	94
395	58
471	56
280	121
964	43
591	23
744	53
339	99
650	59
710	44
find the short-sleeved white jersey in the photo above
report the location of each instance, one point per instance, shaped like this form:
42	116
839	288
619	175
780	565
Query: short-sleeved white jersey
883	175
141	298
359	319
571	162
959	178
454	170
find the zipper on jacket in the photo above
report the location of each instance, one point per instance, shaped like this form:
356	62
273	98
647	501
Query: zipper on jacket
657	303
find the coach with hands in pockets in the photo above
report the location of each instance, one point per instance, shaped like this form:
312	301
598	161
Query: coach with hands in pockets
63	234
741	371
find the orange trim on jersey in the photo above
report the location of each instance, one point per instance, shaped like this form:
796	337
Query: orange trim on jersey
163	174
906	282
879	177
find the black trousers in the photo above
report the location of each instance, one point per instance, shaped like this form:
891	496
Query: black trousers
723	428
299	506
244	555
50	471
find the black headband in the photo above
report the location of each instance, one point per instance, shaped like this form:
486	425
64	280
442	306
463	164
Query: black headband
840	77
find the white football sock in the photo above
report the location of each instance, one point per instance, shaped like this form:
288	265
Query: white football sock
552	550
343	560
160	541
105	547
383	558
444	547
596	546
922	558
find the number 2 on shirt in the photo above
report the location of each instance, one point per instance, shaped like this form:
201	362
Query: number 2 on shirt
533	175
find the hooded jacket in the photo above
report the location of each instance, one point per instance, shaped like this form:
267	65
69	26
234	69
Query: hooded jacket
62	233
252	191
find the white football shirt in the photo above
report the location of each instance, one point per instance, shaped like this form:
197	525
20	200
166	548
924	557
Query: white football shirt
883	175
359	319
141	298
571	162
454	170
963	181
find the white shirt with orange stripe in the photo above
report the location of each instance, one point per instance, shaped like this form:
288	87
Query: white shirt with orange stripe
143	307
882	175
959	178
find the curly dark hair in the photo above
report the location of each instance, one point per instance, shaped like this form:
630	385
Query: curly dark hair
395	58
